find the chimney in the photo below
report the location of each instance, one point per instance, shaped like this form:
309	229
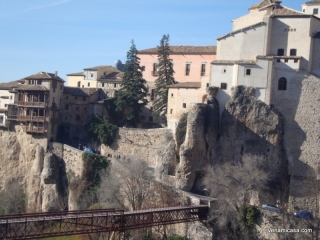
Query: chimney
56	73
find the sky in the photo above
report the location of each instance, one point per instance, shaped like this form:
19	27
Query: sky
70	35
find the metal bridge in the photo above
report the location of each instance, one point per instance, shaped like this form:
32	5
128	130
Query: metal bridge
42	225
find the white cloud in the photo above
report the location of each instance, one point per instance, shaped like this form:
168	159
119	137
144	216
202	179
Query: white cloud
47	5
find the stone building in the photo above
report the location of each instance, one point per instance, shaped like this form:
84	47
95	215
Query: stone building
78	104
35	103
276	50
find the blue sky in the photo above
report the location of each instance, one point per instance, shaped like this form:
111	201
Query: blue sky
69	35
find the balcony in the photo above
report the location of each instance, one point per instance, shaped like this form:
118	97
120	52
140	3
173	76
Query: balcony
32	104
32	129
154	73
27	118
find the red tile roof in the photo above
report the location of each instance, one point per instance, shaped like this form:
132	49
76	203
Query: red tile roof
186	85
183	50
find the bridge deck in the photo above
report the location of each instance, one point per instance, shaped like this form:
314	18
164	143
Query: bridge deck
41	225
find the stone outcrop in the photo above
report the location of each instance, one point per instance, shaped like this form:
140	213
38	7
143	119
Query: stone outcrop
201	133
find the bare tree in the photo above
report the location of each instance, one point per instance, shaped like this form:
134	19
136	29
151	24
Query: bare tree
129	183
233	184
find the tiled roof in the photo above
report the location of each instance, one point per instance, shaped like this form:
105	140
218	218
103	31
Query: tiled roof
23	87
81	92
186	85
261	4
118	81
234	62
250	27
183	49
284	11
278	57
115	75
76	74
10	85
44	75
100	67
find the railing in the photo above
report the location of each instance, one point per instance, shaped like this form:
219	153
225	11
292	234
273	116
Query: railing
34	104
40	225
33	129
27	118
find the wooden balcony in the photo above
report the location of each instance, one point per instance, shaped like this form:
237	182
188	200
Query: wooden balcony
32	104
32	129
27	118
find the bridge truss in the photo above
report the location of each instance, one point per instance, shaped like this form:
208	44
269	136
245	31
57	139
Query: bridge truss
42	225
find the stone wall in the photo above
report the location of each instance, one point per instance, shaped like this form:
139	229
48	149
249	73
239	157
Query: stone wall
71	156
131	143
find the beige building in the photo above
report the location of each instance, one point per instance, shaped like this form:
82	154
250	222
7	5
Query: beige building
107	78
265	48
181	96
36	105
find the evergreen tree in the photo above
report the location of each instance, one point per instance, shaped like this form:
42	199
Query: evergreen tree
165	77
131	98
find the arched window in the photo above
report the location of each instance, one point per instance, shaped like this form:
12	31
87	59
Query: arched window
282	84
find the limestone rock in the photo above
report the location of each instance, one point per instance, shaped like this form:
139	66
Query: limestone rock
166	157
193	149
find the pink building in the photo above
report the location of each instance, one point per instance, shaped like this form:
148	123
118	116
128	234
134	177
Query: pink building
190	63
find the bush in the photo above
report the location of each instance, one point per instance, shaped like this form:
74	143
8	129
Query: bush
252	214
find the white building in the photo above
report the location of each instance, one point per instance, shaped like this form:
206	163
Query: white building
266	48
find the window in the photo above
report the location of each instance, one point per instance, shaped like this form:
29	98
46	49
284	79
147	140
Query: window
77	118
79	84
92	75
293	52
223	86
115	85
154	69
152	94
184	105
282	84
315	11
83	86
11	97
102	85
39	82
5	105
84	98
296	60
88	84
280	52
203	69
224	70
66	107
187	69
171	94
303	10
248	72
143	68
150	119
207	84
171	110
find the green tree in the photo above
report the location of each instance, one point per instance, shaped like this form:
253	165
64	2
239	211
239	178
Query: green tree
165	77
131	98
101	130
